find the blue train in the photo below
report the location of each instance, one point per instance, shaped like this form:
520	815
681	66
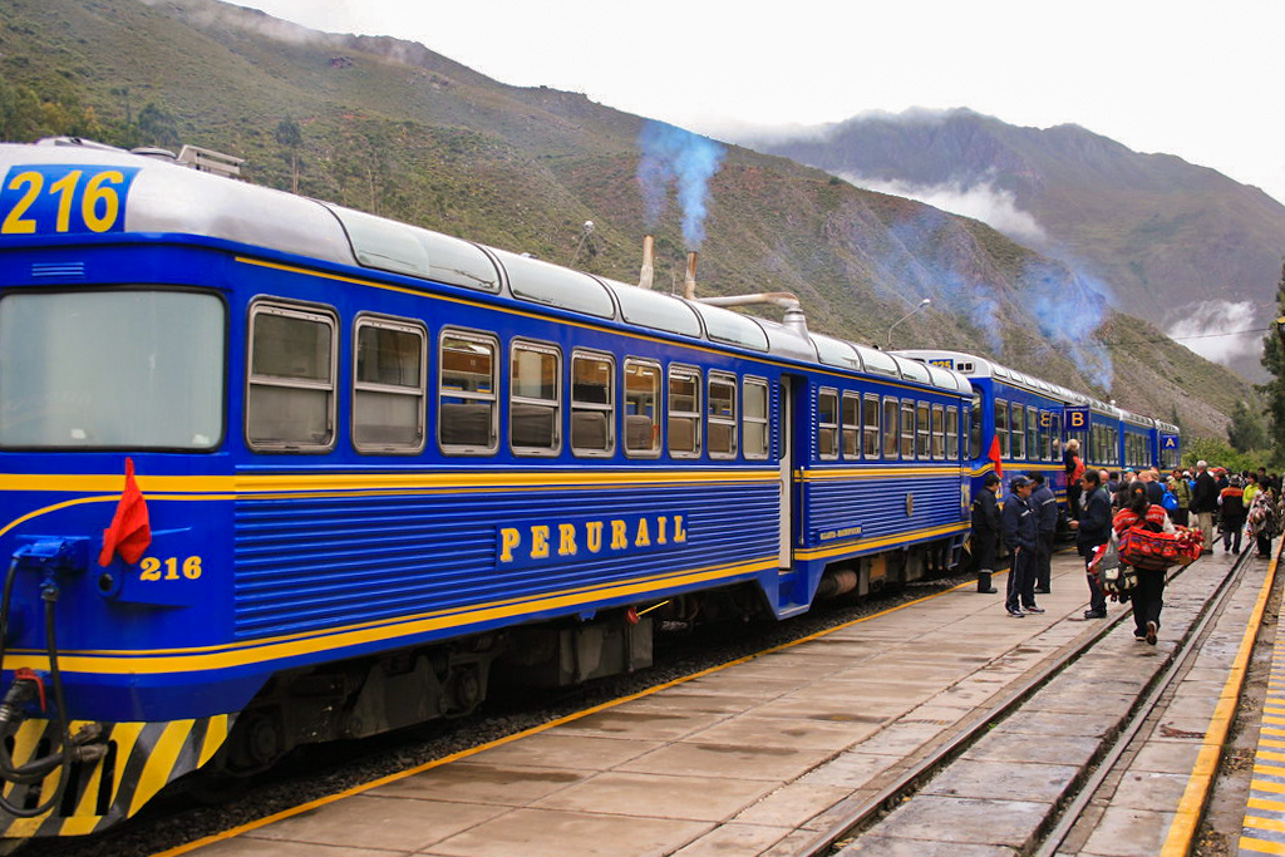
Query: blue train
278	472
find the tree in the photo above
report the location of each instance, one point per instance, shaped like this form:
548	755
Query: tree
1245	432
289	135
159	127
1274	362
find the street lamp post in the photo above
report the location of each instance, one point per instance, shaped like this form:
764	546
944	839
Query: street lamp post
923	303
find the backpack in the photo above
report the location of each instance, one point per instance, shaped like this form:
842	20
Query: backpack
1169	501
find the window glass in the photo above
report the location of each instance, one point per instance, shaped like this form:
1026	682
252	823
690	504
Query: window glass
642	408
725	325
135	369
754	424
657	311
908	431
722	415
974	422
388	391
1033	433
828	423
541	282
870	431
851	421
535	414
593	403
684	412
952	434
1018	430
923	445
1001	427
939	432
466	415
292	383
891	437
836	352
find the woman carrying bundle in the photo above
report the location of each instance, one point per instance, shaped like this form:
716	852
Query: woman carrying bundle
1148	597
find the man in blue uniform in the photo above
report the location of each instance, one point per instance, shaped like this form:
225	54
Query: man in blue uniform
985	537
1017	523
1093	529
1045	506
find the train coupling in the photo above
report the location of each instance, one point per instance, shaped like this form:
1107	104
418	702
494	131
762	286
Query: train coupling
52	555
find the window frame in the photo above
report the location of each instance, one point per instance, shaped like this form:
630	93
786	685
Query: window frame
908	430
404	325
695	417
827	429
937	441
548	349
608	410
765	421
306	312
870	404
1001	431
891	428
726	379
492	398
659	394
850	428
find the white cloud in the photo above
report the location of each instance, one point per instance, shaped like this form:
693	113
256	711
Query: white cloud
984	202
1212	329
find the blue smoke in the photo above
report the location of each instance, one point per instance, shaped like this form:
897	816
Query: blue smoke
1069	308
670	154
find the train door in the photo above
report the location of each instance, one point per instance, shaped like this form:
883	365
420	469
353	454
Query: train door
786	469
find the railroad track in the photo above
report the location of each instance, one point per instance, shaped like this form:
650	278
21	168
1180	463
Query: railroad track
902	783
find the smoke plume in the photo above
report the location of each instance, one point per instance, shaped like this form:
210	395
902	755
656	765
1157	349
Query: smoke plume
673	155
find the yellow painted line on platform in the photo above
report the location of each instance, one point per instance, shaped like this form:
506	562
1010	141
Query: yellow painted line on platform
1271	824
1269	770
535	730
1271	757
1182	830
1265	803
1261	845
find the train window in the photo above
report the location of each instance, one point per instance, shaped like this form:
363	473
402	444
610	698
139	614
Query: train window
657	311
543	283
891	437
836	352
877	361
388	386
684	412
1001	426
73	364
642	409
851	421
952	434
724	325
291	403
870	427
466	412
923	435
1033	433
908	431
593	404
535	399
1018	430
939	432
722	415
828	423
974	420
754	418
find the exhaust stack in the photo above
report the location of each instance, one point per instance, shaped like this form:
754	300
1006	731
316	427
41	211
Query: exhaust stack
689	284
648	271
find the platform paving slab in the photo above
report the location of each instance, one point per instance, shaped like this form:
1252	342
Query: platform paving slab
546	833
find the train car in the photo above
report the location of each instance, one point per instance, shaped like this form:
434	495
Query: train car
279	472
1022	423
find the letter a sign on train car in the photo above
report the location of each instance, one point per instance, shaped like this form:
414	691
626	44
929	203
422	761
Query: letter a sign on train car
1076	418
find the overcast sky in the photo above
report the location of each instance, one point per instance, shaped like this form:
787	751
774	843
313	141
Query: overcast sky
1197	80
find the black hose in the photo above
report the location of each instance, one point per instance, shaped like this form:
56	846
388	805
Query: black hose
37	769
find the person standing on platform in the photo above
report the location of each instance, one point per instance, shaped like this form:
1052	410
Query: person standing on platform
1045	506
1017	523
1074	467
1181	490
1093	529
985	537
1204	503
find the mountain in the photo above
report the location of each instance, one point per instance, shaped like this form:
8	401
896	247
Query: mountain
1179	245
393	128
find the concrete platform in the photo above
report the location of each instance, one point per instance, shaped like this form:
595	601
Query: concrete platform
758	757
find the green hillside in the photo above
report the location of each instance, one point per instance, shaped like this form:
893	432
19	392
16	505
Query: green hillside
389	127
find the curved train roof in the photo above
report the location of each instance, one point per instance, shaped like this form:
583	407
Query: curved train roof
166	198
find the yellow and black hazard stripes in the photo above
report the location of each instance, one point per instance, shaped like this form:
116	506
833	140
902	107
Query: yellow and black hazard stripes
1264	825
141	759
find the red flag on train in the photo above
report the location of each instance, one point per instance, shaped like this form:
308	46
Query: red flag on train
131	530
995	457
